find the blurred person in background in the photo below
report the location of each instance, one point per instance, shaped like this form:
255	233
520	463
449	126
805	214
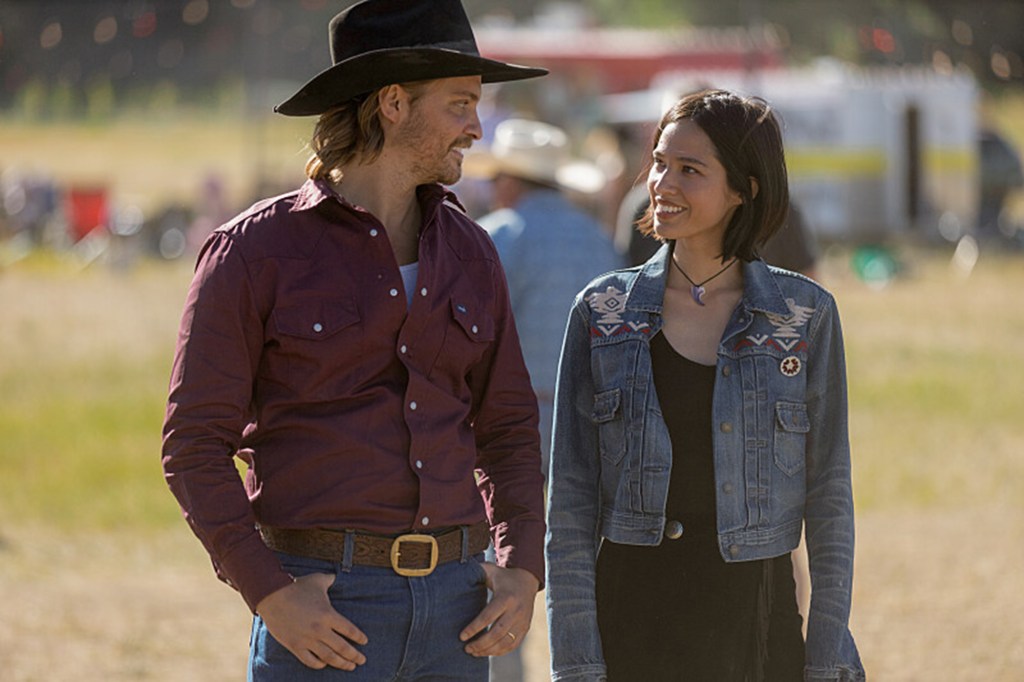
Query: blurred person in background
700	423
1001	174
549	249
352	342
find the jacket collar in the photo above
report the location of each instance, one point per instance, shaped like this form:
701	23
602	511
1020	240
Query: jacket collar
761	293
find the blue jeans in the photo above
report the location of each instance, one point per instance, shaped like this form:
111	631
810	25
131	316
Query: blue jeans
412	624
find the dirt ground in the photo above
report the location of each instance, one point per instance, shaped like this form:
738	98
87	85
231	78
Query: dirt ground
938	597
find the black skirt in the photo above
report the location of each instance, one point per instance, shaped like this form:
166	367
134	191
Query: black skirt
677	611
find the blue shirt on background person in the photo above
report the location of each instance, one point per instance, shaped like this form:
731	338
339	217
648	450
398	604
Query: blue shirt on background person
549	247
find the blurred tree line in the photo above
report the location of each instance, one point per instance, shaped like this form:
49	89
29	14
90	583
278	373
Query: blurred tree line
63	58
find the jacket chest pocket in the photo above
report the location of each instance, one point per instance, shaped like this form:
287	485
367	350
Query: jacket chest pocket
611	426
791	428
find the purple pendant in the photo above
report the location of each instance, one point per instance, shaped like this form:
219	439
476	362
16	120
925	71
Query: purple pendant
698	294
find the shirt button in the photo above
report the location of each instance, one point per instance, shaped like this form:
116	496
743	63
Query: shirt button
726	427
373	232
318	327
412	405
425	521
393	292
673	530
475	329
419	464
423	291
727	371
402	349
734	551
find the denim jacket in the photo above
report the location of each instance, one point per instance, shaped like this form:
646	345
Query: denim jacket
781	451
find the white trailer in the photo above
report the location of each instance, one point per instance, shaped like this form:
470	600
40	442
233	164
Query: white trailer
871	152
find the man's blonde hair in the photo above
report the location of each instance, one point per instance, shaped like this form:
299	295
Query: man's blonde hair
348	131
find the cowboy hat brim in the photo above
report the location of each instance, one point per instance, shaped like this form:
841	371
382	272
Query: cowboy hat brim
372	70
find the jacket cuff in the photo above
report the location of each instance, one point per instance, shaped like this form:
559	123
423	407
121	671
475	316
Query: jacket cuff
589	673
838	674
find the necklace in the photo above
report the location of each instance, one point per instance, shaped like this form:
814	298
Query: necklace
697	291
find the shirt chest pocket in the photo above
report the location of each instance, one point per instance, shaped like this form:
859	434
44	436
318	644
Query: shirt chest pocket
316	341
315	321
469	332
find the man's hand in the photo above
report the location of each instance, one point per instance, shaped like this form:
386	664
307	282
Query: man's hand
507	617
301	618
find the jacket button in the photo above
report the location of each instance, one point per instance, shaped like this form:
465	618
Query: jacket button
734	551
727	371
673	530
727	488
726	427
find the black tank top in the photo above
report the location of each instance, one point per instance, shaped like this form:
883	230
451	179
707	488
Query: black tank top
677	611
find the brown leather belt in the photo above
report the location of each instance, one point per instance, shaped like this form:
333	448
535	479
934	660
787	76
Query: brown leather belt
411	554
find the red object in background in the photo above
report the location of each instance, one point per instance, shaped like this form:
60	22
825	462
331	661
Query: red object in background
86	210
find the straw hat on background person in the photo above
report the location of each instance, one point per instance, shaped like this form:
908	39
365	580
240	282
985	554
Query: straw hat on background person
534	151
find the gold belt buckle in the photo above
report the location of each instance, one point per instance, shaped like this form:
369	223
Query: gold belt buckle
396	554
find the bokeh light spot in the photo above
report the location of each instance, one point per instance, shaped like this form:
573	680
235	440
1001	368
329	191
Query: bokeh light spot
51	36
144	25
105	31
195	12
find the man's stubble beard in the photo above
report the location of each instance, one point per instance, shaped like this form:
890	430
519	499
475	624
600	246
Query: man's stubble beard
439	167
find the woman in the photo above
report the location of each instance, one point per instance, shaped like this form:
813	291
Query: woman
700	422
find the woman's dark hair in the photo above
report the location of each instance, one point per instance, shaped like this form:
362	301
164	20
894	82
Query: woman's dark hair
748	143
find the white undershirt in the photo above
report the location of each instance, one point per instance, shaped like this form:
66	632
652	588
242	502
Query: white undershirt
409	274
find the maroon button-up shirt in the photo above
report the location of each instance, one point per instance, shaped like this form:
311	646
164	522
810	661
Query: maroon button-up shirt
298	353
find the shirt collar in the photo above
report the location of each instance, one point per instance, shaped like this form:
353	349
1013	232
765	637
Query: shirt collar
315	192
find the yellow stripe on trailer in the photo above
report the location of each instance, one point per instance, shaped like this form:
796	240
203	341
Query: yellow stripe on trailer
951	160
871	163
844	163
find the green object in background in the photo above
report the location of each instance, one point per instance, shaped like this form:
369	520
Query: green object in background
875	265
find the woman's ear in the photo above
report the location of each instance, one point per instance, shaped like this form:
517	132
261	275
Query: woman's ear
753	187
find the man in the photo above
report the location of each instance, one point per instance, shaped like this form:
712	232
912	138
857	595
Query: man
549	248
353	343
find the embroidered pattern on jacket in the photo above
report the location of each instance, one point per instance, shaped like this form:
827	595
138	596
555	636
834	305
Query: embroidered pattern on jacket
787	330
610	305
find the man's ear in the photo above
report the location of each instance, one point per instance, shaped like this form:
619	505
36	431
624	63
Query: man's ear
394	100
753	187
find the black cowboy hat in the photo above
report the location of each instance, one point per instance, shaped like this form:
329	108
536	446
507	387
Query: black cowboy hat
379	42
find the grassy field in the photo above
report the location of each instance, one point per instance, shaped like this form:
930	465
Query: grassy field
101	580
